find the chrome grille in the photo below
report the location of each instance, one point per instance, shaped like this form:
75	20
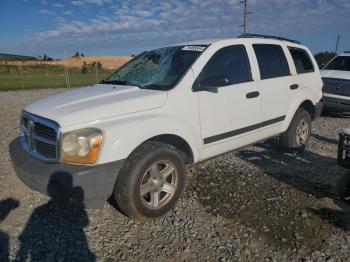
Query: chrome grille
40	137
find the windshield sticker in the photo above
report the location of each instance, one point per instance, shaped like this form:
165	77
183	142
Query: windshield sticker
193	48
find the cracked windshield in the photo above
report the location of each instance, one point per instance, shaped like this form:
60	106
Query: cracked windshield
158	69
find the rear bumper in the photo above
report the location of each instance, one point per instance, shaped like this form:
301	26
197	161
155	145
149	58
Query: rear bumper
91	185
336	105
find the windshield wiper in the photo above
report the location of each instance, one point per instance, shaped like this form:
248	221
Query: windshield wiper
113	82
119	82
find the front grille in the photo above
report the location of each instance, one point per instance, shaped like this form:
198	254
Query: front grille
39	137
45	149
336	86
45	131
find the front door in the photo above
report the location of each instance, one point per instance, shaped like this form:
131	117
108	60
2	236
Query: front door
232	110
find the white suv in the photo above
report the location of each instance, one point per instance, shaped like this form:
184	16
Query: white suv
336	89
130	137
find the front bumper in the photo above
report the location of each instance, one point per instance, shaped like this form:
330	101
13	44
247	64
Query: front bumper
91	185
336	105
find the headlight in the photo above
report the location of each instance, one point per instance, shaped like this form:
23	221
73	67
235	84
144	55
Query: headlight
81	146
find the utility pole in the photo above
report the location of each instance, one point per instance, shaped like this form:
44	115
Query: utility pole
245	14
337	44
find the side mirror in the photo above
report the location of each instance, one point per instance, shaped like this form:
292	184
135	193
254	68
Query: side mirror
322	66
209	82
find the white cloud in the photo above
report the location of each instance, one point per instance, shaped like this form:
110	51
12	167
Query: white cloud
46	12
77	2
138	23
58	5
67	12
92	2
198	15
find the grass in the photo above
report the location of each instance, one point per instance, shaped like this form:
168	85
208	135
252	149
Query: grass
46	76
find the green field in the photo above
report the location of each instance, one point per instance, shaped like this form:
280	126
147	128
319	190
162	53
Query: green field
46	76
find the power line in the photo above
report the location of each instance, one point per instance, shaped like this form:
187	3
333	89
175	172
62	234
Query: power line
245	15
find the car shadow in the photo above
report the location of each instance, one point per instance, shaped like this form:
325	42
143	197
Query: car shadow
325	139
55	230
6	206
275	193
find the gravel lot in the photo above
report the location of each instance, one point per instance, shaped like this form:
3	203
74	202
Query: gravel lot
258	204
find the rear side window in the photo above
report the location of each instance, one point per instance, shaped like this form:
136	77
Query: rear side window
272	61
231	61
301	60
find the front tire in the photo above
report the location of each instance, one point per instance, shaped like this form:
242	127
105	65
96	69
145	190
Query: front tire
150	182
298	134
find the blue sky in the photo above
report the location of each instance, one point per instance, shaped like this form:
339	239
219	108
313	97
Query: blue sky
116	27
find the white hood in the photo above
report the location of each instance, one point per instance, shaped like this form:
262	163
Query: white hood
95	103
336	74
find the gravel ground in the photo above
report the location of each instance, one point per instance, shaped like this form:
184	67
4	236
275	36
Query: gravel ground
258	204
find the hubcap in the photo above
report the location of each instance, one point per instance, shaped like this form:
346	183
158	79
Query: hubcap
302	132
158	184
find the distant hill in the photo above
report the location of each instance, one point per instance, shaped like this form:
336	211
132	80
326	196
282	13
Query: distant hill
106	62
10	57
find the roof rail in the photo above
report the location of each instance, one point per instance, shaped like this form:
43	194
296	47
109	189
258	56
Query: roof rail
268	37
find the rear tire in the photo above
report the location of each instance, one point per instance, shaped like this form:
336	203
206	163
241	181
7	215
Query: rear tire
298	134
150	182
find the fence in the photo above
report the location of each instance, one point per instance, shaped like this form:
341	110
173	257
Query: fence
14	77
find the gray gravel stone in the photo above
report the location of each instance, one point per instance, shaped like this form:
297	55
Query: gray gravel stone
258	204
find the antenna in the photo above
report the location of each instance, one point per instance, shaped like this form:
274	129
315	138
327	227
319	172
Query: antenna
337	44
245	15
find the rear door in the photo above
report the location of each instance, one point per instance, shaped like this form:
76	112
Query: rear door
276	83
304	68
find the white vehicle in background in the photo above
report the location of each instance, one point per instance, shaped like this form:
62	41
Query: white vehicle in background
131	136
336	79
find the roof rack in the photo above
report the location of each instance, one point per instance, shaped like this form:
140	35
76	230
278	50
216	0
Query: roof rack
268	37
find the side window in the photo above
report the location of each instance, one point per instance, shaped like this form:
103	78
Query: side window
302	60
231	61
272	61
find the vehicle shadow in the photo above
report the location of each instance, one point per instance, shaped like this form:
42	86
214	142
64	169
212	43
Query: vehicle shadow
6	206
55	230
325	139
275	193
339	217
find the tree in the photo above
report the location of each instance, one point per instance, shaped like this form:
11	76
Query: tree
82	55
323	58
45	58
76	54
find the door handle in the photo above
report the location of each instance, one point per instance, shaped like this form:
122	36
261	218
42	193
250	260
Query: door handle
252	94
295	86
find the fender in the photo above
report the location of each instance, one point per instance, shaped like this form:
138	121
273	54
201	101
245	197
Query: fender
125	135
302	96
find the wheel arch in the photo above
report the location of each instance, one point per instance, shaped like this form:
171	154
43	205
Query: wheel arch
178	143
306	104
309	106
